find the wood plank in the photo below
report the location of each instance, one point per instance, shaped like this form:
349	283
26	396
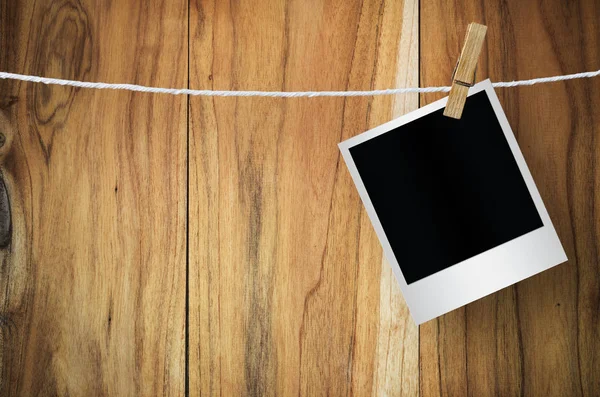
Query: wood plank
288	292
93	283
542	336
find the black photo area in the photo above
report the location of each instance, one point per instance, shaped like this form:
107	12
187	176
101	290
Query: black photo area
446	190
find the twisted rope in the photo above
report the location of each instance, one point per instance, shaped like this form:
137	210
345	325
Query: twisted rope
275	94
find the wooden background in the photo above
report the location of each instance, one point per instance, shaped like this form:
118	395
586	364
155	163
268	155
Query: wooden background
217	246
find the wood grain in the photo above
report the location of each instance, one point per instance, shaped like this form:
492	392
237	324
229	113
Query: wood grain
288	293
542	336
93	282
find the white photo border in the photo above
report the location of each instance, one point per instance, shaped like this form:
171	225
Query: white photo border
484	273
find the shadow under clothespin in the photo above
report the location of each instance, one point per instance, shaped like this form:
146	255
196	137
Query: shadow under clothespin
463	76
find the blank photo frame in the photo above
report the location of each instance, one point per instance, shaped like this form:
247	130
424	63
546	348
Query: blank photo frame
453	203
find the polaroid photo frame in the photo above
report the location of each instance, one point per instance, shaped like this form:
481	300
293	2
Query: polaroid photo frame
453	203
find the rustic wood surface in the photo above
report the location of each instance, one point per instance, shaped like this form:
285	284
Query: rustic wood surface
93	283
288	294
542	336
217	246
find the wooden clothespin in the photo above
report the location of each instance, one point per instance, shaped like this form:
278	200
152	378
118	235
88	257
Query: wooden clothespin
463	76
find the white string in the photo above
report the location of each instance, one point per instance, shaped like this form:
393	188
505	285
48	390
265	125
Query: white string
277	94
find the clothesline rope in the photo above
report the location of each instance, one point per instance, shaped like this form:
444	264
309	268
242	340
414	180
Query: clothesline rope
275	94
